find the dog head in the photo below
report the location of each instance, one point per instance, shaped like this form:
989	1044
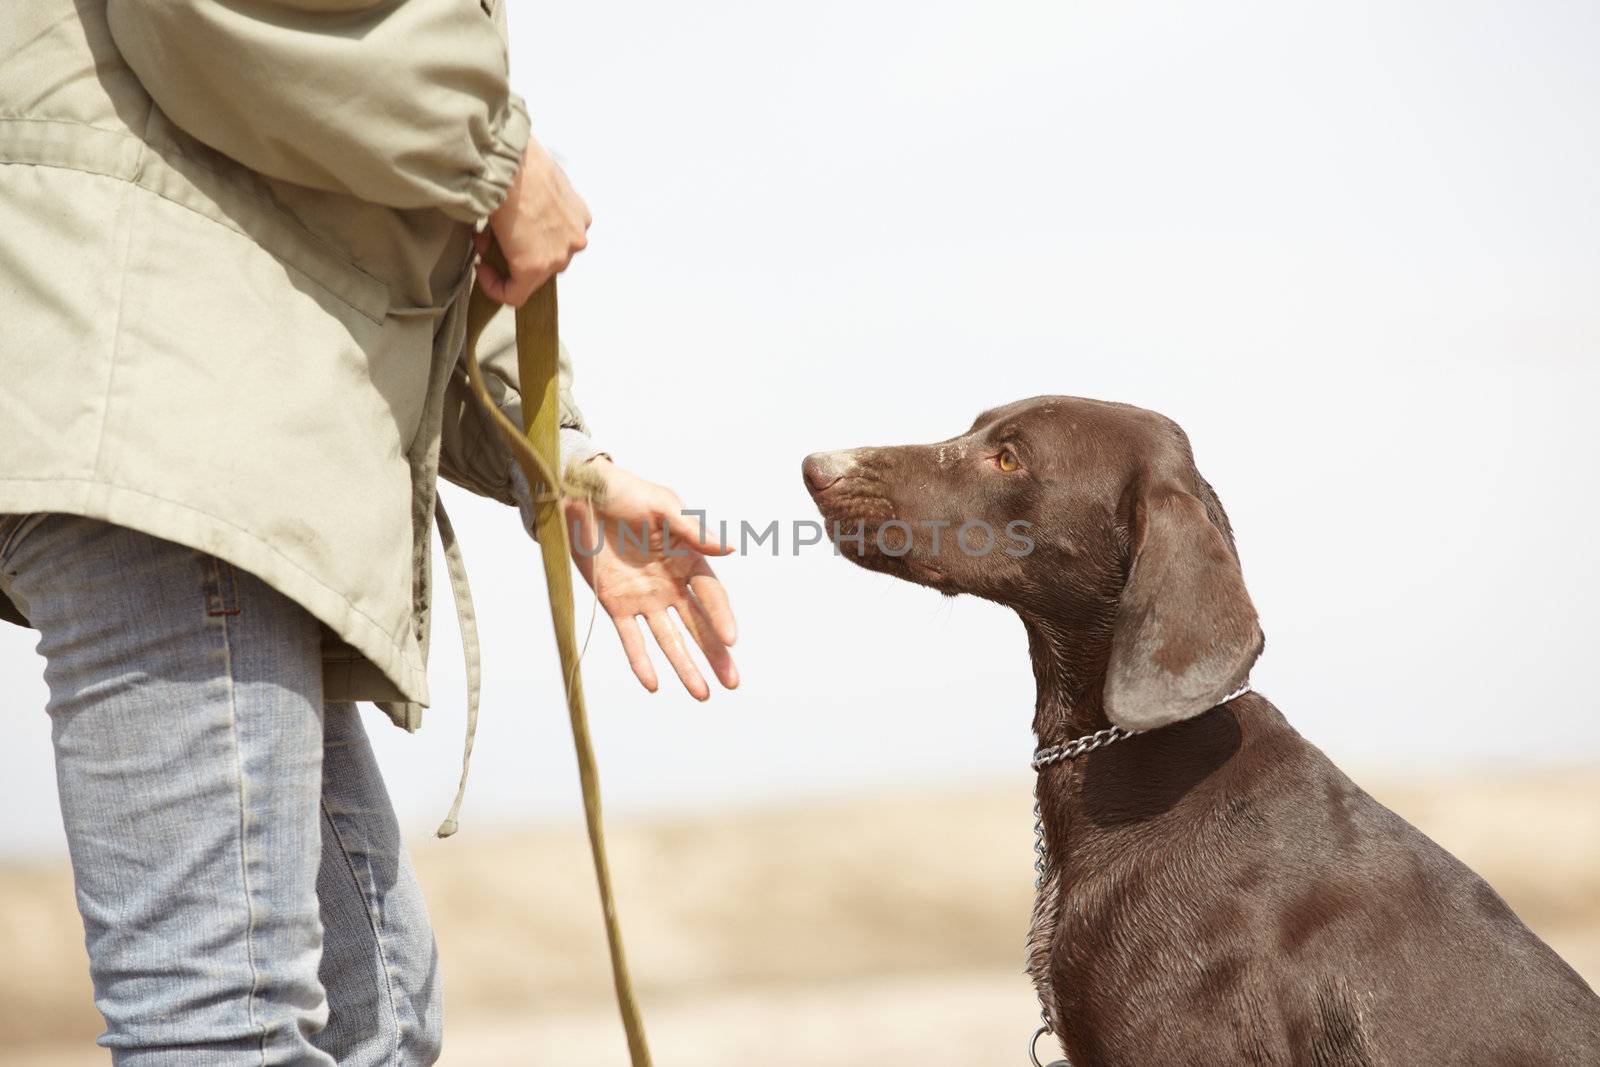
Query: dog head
1088	518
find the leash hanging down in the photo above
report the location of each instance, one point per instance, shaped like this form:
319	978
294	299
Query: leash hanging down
536	451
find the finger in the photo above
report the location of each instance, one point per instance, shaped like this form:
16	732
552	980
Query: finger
521	286
671	643
515	287
705	635
685	530
713	599
481	240
491	283
638	657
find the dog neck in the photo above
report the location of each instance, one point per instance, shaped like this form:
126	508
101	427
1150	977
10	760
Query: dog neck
1112	811
1098	810
1069	669
1112	816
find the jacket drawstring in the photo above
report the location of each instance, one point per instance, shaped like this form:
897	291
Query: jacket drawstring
467	618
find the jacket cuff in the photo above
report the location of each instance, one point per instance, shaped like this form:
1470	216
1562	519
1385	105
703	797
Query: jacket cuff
576	448
487	190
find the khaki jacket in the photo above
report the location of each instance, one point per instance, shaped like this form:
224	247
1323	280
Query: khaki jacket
234	260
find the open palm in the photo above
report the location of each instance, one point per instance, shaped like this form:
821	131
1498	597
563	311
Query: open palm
645	559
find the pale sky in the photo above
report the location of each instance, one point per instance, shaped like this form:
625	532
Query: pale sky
1353	248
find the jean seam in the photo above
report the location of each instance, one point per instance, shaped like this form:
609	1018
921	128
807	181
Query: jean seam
8	527
11	537
244	843
375	925
222	594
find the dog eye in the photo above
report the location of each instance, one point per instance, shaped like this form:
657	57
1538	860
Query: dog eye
1007	460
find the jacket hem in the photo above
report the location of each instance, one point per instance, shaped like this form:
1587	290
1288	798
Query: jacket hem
387	661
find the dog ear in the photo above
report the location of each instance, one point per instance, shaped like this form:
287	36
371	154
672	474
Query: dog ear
1186	634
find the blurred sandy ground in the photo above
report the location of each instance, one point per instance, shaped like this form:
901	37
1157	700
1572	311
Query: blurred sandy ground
876	931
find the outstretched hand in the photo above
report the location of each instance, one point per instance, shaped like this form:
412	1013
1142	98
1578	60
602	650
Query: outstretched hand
644	558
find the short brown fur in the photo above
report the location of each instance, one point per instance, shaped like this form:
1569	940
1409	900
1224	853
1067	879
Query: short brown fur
1220	893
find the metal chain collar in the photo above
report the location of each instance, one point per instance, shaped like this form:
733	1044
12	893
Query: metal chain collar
1041	865
1045	757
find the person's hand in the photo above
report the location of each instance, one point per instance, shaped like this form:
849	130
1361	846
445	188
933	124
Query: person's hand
540	226
668	574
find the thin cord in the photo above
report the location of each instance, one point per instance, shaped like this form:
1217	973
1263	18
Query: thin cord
594	610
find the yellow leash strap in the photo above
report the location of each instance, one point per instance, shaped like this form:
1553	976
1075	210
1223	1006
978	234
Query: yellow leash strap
537	452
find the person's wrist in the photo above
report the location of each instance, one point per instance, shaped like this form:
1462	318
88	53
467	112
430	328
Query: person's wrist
598	470
506	209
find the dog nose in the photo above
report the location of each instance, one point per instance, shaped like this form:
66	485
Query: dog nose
822	469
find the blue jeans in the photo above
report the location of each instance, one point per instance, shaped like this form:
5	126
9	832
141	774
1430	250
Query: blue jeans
245	895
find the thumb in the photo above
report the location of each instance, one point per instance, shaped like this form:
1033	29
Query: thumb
686	529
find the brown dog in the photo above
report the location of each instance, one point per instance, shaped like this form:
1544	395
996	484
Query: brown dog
1217	892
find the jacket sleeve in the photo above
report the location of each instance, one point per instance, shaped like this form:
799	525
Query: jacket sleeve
404	103
472	453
